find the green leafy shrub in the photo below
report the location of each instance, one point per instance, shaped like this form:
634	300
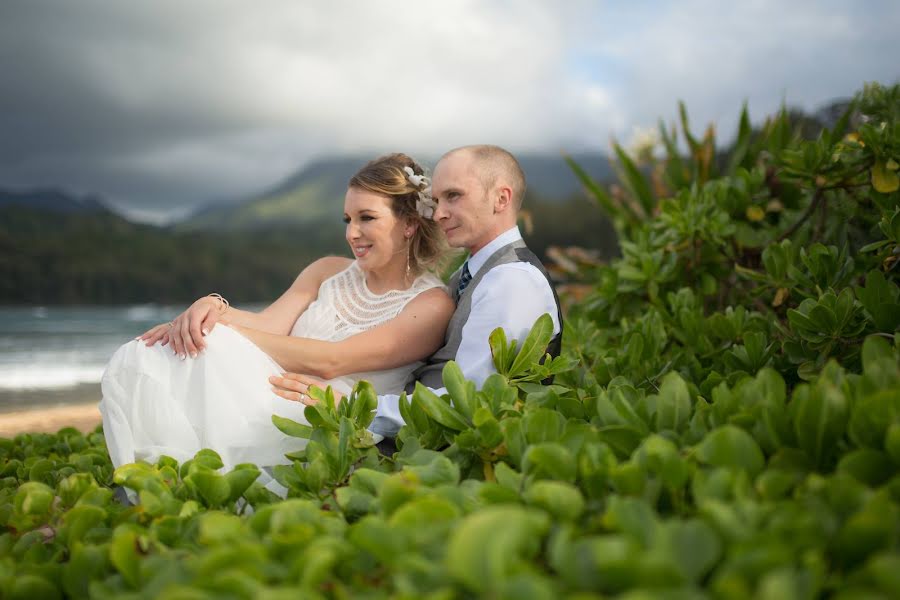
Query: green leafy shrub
724	423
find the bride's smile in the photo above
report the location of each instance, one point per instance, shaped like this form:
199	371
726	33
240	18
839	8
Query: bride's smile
377	239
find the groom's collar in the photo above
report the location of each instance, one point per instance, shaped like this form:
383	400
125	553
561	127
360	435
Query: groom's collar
477	260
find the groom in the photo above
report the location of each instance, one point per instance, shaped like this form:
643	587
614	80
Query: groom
478	191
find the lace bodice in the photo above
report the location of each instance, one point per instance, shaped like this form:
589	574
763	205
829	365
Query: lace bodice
345	306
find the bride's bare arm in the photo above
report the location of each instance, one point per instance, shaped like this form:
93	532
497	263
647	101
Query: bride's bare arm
413	335
189	328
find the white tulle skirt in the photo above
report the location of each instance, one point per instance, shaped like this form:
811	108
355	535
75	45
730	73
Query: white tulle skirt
155	404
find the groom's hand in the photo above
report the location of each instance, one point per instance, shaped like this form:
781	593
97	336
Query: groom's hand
295	387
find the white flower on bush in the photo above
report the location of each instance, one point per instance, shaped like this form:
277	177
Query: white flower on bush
643	144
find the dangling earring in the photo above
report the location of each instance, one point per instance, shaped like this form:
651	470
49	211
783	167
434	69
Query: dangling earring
408	244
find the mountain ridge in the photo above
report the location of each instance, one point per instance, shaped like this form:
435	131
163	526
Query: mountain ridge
53	199
303	197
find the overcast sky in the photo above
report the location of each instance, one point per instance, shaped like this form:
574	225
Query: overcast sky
159	105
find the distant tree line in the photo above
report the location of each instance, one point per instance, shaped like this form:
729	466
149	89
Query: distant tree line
101	258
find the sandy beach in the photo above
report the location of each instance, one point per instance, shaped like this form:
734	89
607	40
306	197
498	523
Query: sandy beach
48	412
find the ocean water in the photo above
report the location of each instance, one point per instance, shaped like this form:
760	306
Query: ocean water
49	353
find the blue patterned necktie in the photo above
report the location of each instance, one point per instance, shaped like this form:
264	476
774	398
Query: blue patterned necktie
464	278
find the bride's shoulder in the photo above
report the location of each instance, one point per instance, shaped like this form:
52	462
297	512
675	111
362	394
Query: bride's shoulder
434	305
436	294
324	268
328	266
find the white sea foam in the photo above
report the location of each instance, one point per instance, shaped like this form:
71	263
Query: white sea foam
146	312
49	377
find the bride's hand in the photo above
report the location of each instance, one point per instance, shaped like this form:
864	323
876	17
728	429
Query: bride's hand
159	333
294	386
190	327
187	330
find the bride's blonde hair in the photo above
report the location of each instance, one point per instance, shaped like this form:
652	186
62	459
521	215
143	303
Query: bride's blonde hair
428	248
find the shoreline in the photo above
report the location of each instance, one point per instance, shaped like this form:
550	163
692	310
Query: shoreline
48	411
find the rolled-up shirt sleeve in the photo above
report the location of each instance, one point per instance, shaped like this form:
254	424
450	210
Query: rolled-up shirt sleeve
511	296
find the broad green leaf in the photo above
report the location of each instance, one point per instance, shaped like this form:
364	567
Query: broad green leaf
87	563
607	563
892	442
438	409
438	471
492	544
72	487
33	498
209	459
213	487
354	502
488	427
820	415
368	480
660	456
398	489
621	438
730	446
635	181
673	408
741	143
549	460
123	554
595	462
543	425
880	299
343	448
373	535
363	401
292	428
426	521
514	438
500	350
872	528
508	477
321	414
462	392
562	500
41	471
693	545
868	466
633	517
884	180
535	345
30	587
239	480
615	408
79	520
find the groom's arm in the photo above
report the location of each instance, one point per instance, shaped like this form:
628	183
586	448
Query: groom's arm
511	296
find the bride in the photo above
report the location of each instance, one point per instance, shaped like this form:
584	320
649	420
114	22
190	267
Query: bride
188	384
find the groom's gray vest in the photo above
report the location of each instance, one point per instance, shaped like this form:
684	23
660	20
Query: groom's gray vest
430	373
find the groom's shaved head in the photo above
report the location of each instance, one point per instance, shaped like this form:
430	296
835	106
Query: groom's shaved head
496	165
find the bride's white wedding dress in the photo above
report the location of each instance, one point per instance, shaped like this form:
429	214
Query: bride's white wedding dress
155	404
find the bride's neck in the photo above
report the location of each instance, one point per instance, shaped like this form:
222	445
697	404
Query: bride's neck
387	279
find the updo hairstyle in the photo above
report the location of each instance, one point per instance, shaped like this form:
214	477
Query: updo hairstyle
386	176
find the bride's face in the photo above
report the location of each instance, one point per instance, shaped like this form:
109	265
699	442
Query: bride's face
375	234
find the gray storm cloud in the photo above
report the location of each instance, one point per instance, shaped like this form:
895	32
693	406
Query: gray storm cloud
158	105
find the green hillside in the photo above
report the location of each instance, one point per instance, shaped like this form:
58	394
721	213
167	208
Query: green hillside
315	194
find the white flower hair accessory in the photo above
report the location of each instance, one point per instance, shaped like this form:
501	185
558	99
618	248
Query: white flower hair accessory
425	204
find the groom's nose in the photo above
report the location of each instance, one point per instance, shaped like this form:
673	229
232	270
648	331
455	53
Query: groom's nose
440	212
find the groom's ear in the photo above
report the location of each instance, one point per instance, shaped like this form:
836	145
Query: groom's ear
503	198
